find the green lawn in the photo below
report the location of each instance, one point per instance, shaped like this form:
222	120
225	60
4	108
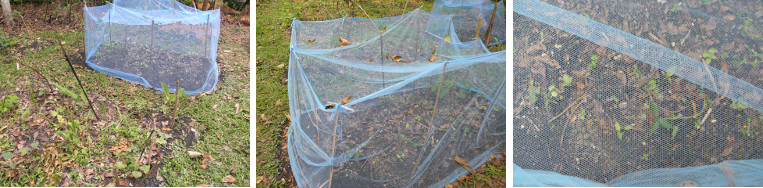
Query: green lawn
273	34
49	137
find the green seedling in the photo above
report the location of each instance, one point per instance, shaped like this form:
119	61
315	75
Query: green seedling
581	114
620	130
738	106
746	129
651	85
645	157
566	80
533	92
676	7
709	55
635	72
594	61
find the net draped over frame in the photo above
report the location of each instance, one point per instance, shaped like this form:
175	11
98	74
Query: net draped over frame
396	130
150	42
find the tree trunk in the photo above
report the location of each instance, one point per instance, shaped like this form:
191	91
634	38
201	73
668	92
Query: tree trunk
7	14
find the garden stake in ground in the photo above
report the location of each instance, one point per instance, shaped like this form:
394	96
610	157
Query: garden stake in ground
66	56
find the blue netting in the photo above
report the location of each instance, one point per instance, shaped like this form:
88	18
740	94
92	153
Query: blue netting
638	93
150	42
471	16
387	135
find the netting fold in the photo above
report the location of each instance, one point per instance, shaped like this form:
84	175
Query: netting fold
471	18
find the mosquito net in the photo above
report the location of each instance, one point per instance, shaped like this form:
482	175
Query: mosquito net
638	93
471	18
419	99
151	42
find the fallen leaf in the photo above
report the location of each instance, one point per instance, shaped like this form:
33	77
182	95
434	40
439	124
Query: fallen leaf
108	175
346	100
433	58
229	179
203	185
204	166
463	163
111	184
330	106
194	154
435	50
383	29
343	41
166	129
398	59
369	60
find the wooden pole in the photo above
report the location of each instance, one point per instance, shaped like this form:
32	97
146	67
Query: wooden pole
490	27
431	121
151	43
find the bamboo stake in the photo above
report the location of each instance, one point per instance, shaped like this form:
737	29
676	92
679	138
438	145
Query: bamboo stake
206	39
431	121
151	43
490	27
78	82
333	145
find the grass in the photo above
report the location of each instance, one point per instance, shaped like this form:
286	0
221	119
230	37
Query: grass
273	36
84	150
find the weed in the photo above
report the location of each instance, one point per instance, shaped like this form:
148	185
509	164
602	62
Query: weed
566	80
635	72
709	55
645	157
8	103
581	114
738	106
676	7
620	130
594	61
651	85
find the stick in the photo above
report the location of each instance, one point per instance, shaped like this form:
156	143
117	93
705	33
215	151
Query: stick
431	122
490	27
206	39
333	145
175	113
151	58
78	82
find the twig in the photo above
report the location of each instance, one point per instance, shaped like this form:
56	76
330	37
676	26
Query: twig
47	82
565	110
705	118
78	82
333	143
490	27
175	112
431	122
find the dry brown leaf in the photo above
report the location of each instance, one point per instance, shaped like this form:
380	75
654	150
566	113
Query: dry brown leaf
433	58
229	179
330	106
369	60
387	56
463	163
195	154
343	41
346	100
203	185
398	59
435	50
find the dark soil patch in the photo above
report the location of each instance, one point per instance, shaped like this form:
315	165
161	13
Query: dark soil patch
154	65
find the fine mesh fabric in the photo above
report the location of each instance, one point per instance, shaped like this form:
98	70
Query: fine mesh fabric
471	16
638	93
150	42
389	134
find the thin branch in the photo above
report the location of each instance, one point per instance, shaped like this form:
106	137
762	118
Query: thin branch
490	28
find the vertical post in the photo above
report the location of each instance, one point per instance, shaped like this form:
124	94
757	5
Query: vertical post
431	122
110	24
206	39
381	39
151	42
490	28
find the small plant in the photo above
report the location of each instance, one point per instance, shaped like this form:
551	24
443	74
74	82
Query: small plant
738	106
704	2
8	103
620	130
645	157
651	85
533	92
709	55
635	72
676	7
594	61
581	114
746	129
566	80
